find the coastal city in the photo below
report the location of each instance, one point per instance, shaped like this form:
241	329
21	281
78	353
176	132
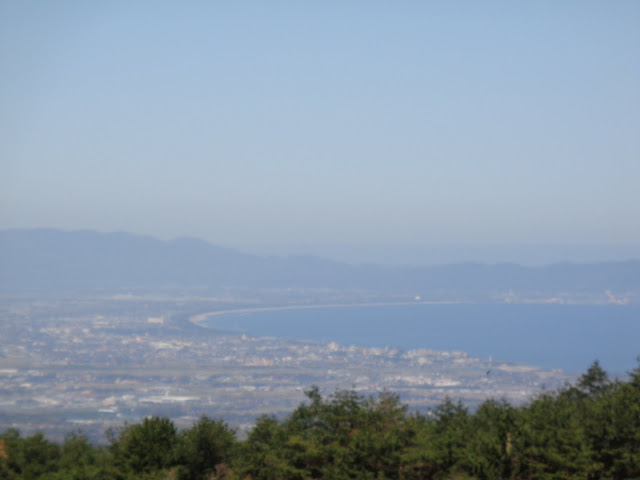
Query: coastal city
93	363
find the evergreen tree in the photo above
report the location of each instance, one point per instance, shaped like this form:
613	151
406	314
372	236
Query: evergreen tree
209	443
146	447
594	380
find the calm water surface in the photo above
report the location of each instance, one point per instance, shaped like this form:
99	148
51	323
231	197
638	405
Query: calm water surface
548	336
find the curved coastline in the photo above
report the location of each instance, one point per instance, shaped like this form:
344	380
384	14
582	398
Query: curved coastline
499	337
200	319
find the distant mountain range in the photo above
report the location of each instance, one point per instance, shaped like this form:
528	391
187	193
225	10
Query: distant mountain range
56	261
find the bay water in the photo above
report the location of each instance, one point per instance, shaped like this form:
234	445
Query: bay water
567	337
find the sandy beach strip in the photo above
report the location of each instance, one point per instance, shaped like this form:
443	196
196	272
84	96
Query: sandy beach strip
200	319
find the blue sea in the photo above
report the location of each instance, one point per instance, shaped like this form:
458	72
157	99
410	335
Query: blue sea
547	336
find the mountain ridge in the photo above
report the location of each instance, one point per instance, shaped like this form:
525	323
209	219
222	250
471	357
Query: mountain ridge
57	260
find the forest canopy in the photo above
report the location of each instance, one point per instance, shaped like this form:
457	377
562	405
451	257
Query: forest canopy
590	430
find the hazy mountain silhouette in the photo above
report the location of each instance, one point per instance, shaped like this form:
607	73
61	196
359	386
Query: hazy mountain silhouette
53	260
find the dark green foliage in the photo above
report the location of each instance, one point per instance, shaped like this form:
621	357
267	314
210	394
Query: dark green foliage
263	453
594	380
613	432
147	446
27	458
588	431
78	459
552	438
345	436
450	434
492	450
209	443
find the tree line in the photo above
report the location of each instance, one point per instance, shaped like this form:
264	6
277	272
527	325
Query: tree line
588	430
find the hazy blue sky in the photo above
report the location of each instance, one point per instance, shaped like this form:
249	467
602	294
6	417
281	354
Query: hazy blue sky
320	125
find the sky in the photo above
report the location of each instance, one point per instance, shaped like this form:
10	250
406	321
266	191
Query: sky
405	131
